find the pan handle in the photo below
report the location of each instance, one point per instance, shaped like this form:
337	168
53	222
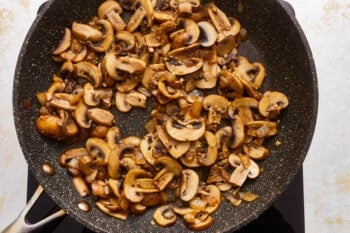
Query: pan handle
20	225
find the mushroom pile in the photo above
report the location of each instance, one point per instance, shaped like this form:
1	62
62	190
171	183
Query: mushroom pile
207	128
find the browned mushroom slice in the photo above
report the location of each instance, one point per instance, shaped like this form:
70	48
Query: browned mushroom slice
230	82
121	104
90	95
213	199
136	99
80	115
127	64
261	129
107	39
112	11
190	159
244	168
198	220
216	105
238	132
209	157
114	158
119	215
210	76
190	130
164	216
184	7
69	127
175	148
208	34
168	91
89	72
147	146
64	43
271	103
86	32
62	101
126	40
130	184
100	116
50	126
189	184
226	45
98	148
256	152
184	66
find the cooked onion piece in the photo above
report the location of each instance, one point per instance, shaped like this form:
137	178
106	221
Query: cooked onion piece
209	112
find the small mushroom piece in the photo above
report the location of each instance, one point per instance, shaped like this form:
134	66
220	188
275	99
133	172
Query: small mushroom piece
147	146
107	39
90	95
62	101
81	117
168	91
113	136
98	148
190	130
50	126
184	66
210	75
271	103
238	132
127	64
164	216
199	220
85	32
136	99
226	45
69	127
189	184
89	72
184	7
230	82
175	148
261	129
208	34
64	43
244	167
114	158
100	116
120	101
213	199
216	105
126	40
168	165
81	186
112	11
130	184
256	152
191	28
209	158
221	22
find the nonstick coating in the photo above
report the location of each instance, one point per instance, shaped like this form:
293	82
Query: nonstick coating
275	39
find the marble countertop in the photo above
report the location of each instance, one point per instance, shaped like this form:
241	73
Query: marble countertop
326	24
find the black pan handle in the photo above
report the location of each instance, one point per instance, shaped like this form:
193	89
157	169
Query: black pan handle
20	225
289	8
43	7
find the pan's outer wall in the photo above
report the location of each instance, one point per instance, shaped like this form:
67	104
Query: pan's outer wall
275	39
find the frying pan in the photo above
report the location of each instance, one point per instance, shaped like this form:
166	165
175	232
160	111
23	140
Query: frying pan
275	39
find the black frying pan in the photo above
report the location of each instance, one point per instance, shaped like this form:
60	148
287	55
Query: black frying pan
275	39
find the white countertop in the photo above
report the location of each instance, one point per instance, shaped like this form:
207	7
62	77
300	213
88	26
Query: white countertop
326	24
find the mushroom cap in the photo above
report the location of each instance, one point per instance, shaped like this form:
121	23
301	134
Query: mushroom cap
184	66
164	216
271	103
208	34
130	184
190	130
216	102
189	184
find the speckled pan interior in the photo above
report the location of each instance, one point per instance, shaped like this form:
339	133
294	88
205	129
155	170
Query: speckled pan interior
276	40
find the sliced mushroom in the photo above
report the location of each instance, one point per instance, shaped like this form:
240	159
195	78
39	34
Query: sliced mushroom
210	75
98	148
198	220
189	184
271	103
113	136
147	146
64	43
208	34
90	95
216	105
256	152
182	131
184	7
168	91
209	157
242	170
164	216
136	99
50	126
175	148
230	82
86	32
130	184
184	66
126	64
112	11
114	159
261	129
126	40
81	117
238	132
89	72
213	199
100	116
107	39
